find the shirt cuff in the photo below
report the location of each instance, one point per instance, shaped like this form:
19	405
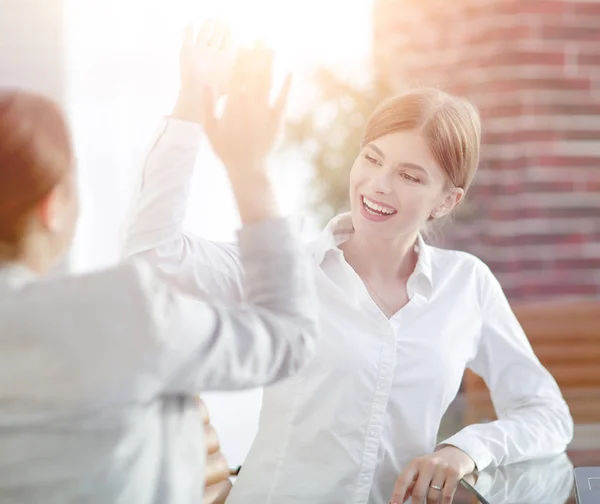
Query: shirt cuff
180	133
472	446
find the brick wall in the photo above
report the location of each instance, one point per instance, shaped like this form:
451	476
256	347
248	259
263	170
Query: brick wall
533	69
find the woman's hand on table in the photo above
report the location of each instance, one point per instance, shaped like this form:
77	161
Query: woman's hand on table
433	478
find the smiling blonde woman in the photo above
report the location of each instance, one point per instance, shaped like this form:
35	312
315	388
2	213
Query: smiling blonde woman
401	320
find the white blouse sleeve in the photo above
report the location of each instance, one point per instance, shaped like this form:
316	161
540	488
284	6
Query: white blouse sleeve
199	267
533	418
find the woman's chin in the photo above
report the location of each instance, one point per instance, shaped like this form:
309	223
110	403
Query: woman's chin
385	230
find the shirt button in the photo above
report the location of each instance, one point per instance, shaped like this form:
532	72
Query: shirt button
373	433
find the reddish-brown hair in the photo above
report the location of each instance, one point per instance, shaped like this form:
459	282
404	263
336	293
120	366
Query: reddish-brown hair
35	156
450	125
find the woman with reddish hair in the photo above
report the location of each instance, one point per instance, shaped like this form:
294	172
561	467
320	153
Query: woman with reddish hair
38	189
99	373
401	320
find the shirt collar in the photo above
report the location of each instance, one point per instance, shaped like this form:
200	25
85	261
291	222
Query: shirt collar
338	230
423	270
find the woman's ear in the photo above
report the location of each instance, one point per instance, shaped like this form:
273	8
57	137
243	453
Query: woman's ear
454	197
451	201
49	211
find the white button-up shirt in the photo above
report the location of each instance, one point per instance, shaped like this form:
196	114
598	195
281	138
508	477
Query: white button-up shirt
98	373
373	396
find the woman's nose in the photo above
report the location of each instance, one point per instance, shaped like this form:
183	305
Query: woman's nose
382	182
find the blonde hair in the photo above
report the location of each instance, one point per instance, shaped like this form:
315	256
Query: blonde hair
35	156
451	126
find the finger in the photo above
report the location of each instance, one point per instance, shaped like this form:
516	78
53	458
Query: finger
421	489
209	118
281	100
228	55
448	494
188	36
260	74
409	491
218	35
257	64
239	82
227	45
204	33
250	77
451	479
403	483
436	486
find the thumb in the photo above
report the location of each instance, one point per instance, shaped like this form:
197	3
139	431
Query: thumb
188	37
281	101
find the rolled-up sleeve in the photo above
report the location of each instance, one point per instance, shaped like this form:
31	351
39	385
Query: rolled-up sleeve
533	418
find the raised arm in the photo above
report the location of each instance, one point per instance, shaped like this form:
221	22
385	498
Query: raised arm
272	334
154	232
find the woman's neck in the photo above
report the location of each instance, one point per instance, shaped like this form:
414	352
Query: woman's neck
381	259
29	255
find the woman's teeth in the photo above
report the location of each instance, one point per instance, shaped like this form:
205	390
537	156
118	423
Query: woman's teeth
376	209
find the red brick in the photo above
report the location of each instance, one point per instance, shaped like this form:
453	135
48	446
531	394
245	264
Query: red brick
509	33
515	136
511	188
586	58
561	289
569	33
510	57
538	84
534	239
554	290
500	109
542	7
573	212
519	265
578	135
577	263
564	161
503	164
535	58
562	109
513	214
583	8
548	186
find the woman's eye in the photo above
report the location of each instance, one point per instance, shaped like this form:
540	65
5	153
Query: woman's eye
410	177
371	159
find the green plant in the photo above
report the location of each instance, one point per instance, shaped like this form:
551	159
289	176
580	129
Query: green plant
330	132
